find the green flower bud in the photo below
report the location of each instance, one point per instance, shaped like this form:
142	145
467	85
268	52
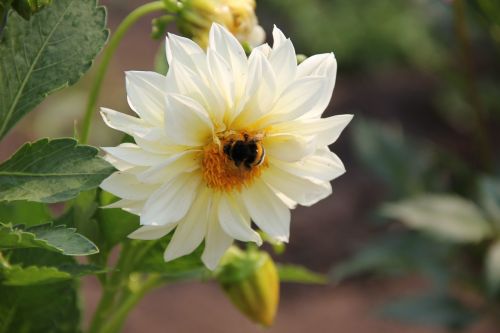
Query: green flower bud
251	281
26	8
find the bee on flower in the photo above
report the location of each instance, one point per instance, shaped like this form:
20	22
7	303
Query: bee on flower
238	16
223	140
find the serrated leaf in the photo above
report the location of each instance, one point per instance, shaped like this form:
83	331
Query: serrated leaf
49	52
51	171
17	275
23	276
54	238
446	216
300	274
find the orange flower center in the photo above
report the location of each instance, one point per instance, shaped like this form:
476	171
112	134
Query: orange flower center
234	160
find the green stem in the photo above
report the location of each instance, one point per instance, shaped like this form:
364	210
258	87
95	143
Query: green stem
126	24
462	35
117	319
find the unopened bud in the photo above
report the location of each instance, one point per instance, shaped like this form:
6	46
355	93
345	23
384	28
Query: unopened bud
251	281
26	8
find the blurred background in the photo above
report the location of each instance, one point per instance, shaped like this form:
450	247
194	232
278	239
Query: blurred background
422	79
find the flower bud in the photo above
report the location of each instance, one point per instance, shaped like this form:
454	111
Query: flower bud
238	16
26	8
251	281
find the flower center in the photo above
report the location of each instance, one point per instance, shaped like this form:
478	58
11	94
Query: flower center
233	160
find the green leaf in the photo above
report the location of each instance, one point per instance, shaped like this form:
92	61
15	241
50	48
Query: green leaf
184	268
431	310
54	238
300	274
49	308
22	276
51	171
24	212
49	52
446	216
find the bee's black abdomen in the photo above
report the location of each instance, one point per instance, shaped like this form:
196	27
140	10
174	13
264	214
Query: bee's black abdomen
242	152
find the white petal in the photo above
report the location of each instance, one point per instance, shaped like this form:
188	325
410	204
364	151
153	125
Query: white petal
278	37
186	122
186	161
149	232
192	228
131	206
216	241
284	62
222	77
304	191
267	210
296	100
117	163
146	95
125	123
322	165
171	202
235	221
326	130
183	50
126	185
289	148
227	46
260	93
133	154
324	65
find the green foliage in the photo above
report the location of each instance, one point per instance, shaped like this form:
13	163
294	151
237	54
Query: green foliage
47	53
52	308
446	216
184	268
492	267
24	212
115	224
431	310
299	274
46	236
490	199
51	171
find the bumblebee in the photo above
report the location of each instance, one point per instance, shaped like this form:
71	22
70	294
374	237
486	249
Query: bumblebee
245	151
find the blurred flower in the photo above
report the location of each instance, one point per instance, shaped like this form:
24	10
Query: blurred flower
222	140
238	16
250	279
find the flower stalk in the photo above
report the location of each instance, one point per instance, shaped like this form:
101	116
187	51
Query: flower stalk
115	40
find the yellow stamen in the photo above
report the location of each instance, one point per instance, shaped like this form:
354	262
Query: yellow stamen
220	172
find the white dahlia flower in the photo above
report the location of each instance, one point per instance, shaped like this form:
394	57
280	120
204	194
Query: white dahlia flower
223	140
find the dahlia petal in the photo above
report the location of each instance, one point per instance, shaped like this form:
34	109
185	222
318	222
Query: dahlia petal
303	191
222	77
186	122
289	148
235	221
146	95
126	185
267	210
125	123
216	241
175	164
149	232
191	229
322	165
131	206
284	63
296	100
135	155
171	202
278	37
182	49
